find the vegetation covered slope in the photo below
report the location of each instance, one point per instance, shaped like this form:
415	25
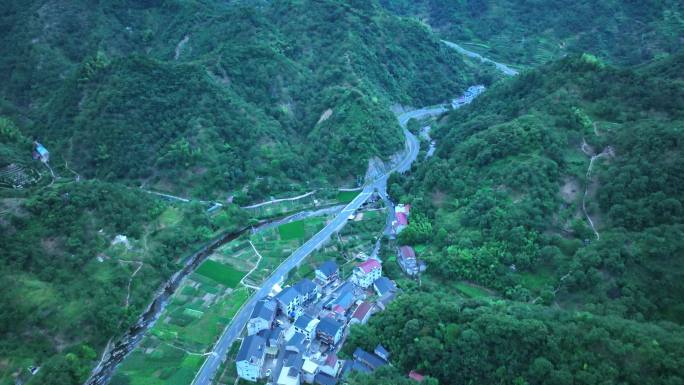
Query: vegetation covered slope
533	32
70	284
204	97
467	342
505	191
500	205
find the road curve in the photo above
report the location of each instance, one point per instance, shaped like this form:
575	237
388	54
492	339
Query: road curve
501	67
234	329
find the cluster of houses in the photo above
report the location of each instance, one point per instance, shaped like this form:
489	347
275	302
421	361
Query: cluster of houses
406	256
293	336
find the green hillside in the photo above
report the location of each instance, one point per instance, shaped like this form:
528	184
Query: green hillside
502	202
206	98
533	32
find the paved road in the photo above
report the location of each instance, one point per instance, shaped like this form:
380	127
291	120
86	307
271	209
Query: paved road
234	329
501	67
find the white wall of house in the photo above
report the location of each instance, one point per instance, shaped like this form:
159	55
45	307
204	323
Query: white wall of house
248	371
255	325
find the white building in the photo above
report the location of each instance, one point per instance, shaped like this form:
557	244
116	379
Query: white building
262	316
250	357
306	325
366	273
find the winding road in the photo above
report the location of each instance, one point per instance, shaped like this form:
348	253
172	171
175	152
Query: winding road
506	70
234	329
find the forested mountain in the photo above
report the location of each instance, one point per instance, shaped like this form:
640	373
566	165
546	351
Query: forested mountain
501	206
533	32
204	97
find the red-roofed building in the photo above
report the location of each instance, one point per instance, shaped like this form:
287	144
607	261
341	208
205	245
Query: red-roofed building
407	260
367	272
362	313
416	376
338	309
401	214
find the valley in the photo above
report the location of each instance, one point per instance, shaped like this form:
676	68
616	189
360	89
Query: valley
187	164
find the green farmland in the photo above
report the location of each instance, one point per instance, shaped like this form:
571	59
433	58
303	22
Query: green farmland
223	274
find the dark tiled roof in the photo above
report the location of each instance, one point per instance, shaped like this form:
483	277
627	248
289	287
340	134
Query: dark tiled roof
296	342
264	309
252	347
328	326
287	295
369	359
324	379
328	268
384	285
303	321
305	286
294	360
381	352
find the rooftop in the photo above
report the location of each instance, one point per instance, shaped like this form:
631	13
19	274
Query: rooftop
329	326
362	310
407	252
324	379
384	285
303	321
328	268
264	309
416	376
252	348
288	295
369	265
369	359
402	219
305	286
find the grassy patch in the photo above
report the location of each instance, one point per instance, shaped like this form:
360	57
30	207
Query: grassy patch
537	281
471	291
223	274
292	230
347	196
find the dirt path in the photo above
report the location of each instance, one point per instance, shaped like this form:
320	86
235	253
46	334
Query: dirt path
130	280
242	281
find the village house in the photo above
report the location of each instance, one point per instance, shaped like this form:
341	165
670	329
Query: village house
40	153
309	371
308	291
370	360
292	366
262	316
289	302
296	343
306	325
384	285
250	357
366	273
330	331
273	339
361	314
324	379
327	273
407	261
332	365
401	214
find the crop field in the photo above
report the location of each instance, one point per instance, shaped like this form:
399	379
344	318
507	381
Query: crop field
221	273
174	349
292	230
347	196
